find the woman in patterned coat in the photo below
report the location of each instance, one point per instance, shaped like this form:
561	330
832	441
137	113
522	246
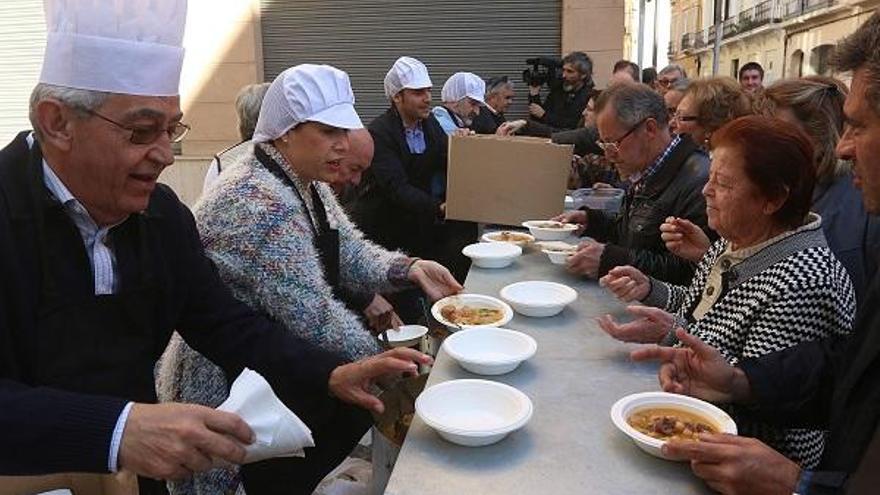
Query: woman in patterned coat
283	245
769	283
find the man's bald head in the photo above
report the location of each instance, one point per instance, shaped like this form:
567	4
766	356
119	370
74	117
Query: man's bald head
358	159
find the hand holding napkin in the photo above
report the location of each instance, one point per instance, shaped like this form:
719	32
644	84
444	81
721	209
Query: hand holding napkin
279	432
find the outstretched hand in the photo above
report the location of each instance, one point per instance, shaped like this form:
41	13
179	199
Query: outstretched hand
697	369
650	327
353	382
627	283
734	465
434	279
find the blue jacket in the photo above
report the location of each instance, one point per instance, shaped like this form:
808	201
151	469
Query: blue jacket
853	235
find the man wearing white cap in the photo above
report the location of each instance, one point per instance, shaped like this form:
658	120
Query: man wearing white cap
401	201
462	96
100	265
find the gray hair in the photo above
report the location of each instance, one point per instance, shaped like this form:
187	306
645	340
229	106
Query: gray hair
496	84
673	68
581	63
633	103
247	106
80	100
680	85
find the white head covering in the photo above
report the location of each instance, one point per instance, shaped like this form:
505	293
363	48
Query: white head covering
306	93
464	85
129	47
406	73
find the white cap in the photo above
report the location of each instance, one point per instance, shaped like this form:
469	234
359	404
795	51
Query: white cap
406	73
129	47
464	85
306	93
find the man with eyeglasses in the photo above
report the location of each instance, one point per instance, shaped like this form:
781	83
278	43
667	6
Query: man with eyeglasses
100	264
668	76
666	175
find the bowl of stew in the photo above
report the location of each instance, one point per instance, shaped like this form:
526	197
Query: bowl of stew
471	310
651	419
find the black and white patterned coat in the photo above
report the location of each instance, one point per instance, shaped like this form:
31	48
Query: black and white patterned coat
792	291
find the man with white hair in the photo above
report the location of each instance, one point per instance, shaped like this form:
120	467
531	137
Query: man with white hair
100	264
461	98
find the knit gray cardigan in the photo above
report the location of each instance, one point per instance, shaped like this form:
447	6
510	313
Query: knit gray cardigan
256	230
791	291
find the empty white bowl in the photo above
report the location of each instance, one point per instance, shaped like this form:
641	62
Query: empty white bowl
539	299
557	257
623	408
521	239
473	412
473	300
492	254
490	351
406	335
549	230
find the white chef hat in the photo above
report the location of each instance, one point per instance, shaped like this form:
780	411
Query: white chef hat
406	73
464	85
306	93
130	47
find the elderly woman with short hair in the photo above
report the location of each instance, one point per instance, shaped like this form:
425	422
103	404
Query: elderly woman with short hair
770	282
707	105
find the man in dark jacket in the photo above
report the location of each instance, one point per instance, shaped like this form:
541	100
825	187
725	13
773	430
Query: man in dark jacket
566	100
401	200
832	383
499	95
100	265
667	175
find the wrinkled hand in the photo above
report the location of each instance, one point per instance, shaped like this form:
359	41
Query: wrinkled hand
352	382
172	441
586	260
698	370
735	465
627	283
434	279
574	216
650	326
536	111
380	314
684	239
463	132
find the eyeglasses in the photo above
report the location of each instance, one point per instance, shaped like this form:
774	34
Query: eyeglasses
614	146
666	82
684	118
148	135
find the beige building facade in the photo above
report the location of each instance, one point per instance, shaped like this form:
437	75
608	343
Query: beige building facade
224	43
787	37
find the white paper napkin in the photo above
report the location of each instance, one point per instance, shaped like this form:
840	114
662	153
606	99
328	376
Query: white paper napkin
279	432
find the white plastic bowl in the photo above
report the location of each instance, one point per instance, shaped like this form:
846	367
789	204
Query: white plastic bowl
557	257
490	351
473	413
492	254
477	300
538	229
538	299
493	237
623	408
406	335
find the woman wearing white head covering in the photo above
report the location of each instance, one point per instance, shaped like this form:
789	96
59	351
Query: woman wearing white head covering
283	244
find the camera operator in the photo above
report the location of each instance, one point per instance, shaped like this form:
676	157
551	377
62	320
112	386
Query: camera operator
567	99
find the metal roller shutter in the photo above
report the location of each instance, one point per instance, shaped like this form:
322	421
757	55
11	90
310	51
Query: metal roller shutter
489	38
23	32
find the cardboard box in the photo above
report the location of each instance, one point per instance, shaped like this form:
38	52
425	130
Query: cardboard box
506	179
122	483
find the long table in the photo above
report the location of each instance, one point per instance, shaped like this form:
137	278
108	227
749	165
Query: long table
570	445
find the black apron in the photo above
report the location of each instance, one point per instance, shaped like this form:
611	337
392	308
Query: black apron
326	240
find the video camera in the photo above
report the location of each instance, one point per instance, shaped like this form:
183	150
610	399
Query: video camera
543	70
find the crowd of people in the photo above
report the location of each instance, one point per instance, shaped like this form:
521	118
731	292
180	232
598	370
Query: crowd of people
745	247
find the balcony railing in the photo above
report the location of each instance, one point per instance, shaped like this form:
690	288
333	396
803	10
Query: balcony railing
749	19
